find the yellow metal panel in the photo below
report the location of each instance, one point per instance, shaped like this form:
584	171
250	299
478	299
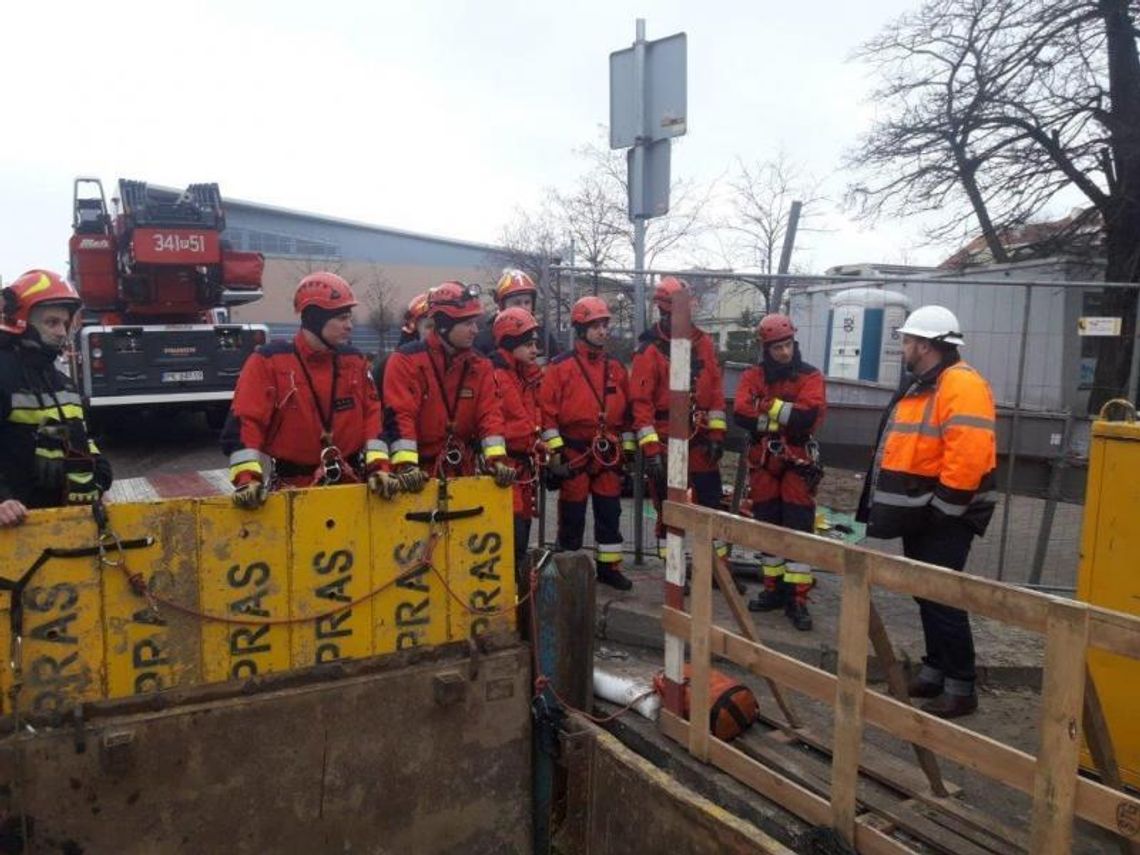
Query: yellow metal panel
244	573
412	612
62	653
331	567
480	559
1110	545
153	649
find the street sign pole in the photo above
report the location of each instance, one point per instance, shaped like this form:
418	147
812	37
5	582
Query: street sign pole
637	187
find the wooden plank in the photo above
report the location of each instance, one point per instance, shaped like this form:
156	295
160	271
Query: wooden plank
897	685
700	602
812	772
1062	696
970	822
1109	630
854	612
743	619
885	768
779	789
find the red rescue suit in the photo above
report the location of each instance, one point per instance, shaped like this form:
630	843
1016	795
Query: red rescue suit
649	387
518	384
441	409
584	400
286	409
781	406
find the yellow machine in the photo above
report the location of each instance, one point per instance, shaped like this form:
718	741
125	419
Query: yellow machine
1110	576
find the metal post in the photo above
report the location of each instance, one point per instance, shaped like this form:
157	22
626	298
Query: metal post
1052	494
1134	366
636	190
1011	455
573	285
777	291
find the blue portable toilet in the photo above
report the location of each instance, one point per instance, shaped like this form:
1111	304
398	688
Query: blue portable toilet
863	342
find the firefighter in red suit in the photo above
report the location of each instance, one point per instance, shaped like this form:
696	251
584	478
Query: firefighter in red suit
516	349
584	400
306	412
781	402
649	387
442	406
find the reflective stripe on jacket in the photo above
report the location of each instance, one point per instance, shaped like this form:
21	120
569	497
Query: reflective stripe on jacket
649	387
937	452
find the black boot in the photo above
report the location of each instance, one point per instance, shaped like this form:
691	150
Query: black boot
769	599
797	613
610	574
951	706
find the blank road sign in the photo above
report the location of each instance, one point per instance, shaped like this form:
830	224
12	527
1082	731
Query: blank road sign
666	95
649	197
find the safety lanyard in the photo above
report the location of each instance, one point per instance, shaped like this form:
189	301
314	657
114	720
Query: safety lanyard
326	421
601	399
452	407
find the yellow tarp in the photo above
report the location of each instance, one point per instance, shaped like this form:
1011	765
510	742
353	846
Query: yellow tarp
306	579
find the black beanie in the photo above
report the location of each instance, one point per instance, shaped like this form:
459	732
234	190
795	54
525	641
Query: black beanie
314	318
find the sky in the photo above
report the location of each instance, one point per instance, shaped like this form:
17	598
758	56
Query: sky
437	117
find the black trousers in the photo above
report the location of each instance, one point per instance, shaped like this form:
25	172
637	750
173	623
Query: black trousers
949	641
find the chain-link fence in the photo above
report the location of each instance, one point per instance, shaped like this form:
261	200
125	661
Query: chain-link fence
1036	330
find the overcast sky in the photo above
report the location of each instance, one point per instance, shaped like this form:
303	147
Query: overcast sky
437	117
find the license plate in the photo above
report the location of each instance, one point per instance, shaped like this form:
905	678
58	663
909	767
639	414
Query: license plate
182	376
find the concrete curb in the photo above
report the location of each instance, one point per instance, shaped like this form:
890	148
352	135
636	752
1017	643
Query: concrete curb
636	624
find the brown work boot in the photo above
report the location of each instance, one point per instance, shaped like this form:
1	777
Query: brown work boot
951	706
927	683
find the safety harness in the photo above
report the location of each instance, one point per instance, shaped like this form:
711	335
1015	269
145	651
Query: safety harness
604	448
332	468
449	462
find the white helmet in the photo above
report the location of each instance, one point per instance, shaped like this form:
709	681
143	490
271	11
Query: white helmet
936	323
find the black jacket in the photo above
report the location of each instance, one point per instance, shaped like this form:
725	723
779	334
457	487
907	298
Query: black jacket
34	393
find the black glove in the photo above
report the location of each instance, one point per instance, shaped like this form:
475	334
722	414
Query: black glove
557	466
655	467
503	473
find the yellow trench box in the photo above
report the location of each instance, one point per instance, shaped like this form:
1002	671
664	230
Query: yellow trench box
314	576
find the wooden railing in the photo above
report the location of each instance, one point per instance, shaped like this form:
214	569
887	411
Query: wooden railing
1070	628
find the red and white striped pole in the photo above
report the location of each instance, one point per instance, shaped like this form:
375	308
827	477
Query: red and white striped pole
680	357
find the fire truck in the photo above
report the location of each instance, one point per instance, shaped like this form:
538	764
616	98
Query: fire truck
157	281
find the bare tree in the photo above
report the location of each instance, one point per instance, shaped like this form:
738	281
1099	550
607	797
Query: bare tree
994	107
762	196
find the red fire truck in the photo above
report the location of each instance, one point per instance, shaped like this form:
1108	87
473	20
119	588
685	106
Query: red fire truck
157	281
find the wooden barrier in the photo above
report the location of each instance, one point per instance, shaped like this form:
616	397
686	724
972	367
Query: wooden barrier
1071	629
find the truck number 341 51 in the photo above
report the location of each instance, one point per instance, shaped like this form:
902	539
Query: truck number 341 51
179	243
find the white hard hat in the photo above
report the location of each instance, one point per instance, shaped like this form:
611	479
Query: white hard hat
936	323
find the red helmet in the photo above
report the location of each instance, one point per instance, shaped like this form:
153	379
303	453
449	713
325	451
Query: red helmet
589	309
512	283
35	288
512	323
774	328
417	311
323	289
666	288
455	301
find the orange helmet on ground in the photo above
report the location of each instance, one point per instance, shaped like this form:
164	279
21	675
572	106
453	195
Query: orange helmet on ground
324	290
35	288
513	323
589	309
417	311
666	289
774	328
513	283
454	301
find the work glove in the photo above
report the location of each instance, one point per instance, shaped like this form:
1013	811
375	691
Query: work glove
655	467
503	473
557	465
384	484
251	495
412	479
716	450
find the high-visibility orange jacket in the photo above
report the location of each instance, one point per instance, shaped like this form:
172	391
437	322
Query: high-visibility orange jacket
649	387
431	396
937	454
584	390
